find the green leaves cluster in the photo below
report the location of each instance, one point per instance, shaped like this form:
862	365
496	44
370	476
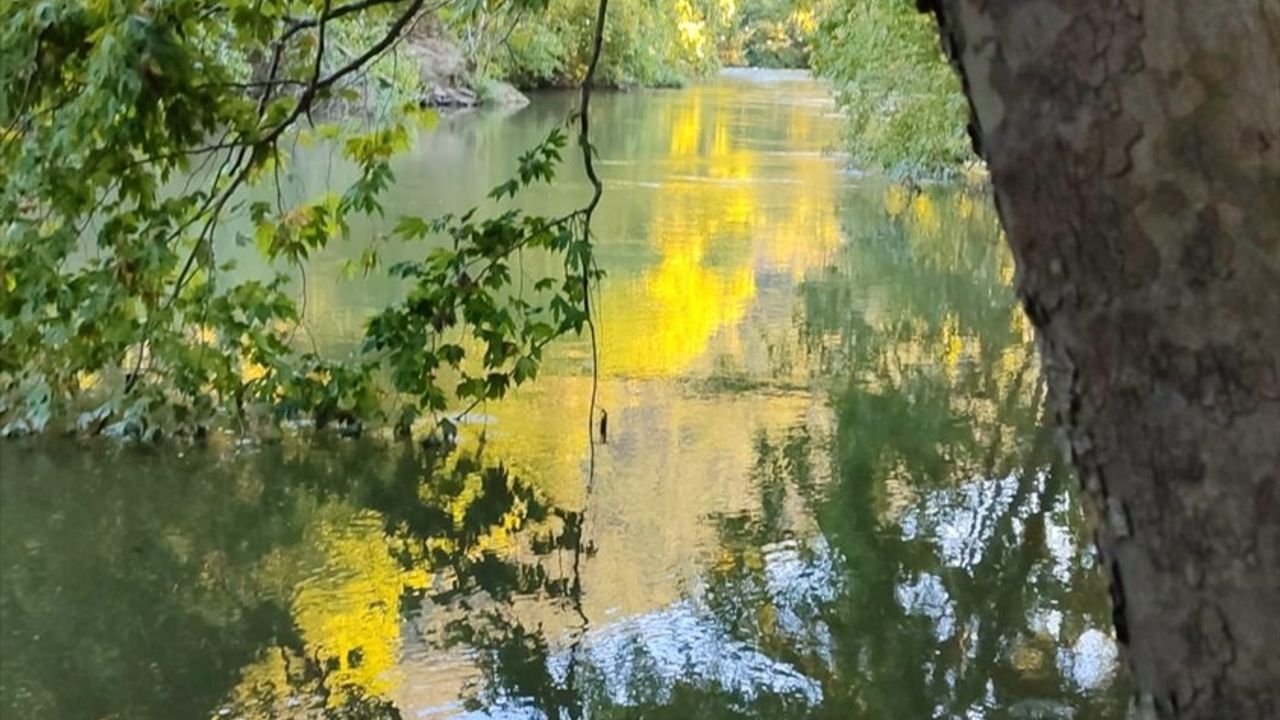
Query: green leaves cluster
463	316
647	43
905	107
131	131
771	33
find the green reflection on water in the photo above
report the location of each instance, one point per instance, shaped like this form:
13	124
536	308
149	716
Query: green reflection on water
263	584
826	492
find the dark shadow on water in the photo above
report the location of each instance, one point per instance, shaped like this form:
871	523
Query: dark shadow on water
142	583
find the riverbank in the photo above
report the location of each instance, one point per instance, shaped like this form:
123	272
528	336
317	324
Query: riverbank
444	79
492	57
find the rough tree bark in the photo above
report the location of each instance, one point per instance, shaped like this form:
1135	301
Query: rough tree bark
1134	147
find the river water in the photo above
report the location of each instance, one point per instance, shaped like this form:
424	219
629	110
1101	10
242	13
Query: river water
825	493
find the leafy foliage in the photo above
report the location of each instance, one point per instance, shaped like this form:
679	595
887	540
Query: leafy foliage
905	107
647	42
133	130
771	33
461	286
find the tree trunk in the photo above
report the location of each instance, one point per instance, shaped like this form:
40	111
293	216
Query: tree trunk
1135	151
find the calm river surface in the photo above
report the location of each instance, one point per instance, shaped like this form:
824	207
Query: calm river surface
825	494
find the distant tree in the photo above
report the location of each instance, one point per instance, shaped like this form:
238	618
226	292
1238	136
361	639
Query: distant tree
905	109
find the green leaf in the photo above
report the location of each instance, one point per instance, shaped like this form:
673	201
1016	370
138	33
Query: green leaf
412	228
525	369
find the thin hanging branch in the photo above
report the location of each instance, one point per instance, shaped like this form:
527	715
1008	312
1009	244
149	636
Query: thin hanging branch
586	215
584	118
597	190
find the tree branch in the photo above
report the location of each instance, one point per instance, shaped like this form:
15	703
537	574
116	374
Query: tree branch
298	25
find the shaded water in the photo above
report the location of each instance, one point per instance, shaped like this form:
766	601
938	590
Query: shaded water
825	493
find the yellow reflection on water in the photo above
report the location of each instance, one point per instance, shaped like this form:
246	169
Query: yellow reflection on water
724	211
730	215
344	587
667	319
349	613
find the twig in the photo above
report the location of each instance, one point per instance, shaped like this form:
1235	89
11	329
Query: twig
597	190
342	11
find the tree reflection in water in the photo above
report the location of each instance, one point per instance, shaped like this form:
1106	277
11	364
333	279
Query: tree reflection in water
937	570
292	572
920	558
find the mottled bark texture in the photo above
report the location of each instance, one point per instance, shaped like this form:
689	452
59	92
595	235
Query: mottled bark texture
1135	151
